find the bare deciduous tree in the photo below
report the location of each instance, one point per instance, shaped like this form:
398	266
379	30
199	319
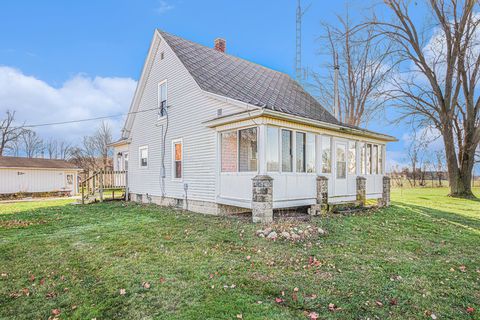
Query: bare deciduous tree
52	148
32	144
364	63
94	154
440	89
9	133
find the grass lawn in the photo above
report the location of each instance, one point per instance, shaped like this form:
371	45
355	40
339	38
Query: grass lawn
418	259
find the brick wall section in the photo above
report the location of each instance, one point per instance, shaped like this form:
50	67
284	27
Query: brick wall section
262	199
229	152
322	197
361	190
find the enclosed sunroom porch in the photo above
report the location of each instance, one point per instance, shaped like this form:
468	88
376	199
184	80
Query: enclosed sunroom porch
294	155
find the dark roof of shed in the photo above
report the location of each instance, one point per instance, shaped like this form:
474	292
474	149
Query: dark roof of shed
19	162
238	79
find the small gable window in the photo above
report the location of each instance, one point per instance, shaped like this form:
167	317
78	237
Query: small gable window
162	99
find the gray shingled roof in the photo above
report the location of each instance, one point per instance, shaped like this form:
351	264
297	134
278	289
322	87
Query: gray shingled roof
19	162
235	78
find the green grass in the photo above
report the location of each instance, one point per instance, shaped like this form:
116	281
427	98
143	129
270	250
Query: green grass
86	254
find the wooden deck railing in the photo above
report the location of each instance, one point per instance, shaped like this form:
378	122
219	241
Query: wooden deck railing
101	181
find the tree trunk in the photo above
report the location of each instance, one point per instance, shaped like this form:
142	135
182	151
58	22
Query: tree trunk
460	179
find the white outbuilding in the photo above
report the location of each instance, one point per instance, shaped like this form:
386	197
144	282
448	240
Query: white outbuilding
35	175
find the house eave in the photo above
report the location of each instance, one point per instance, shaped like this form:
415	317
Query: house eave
119	143
297	119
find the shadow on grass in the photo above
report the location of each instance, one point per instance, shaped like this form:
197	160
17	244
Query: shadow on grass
452	218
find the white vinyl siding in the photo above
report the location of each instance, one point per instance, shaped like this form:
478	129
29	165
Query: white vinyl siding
188	109
36	180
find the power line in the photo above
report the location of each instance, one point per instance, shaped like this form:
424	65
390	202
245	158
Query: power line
84	120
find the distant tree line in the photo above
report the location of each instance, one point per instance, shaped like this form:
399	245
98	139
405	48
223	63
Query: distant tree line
91	154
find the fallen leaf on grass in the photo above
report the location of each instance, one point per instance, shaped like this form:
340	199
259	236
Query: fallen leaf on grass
332	307
313	316
393	302
279	300
4	275
42	281
463	268
248	257
239	316
50	295
162	280
123	292
26	291
470	310
146	285
379	303
31	278
56	312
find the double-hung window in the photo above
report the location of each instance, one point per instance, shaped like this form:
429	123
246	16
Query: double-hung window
143	156
352	157
162	99
177	152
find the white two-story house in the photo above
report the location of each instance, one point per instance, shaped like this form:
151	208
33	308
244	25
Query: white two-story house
203	124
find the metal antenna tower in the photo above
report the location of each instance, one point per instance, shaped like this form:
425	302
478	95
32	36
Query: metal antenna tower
298	51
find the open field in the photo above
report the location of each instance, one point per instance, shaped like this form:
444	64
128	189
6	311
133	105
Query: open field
417	258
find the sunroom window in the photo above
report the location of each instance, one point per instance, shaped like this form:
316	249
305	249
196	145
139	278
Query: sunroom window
380	159
287	155
272	149
310	153
352	157
229	151
300	151
362	157
326	154
369	159
239	150
375	159
247	152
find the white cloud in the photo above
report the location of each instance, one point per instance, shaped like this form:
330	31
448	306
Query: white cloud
81	97
163	7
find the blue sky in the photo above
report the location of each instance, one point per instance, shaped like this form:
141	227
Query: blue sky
88	54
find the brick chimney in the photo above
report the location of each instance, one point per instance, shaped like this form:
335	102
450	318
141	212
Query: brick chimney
220	45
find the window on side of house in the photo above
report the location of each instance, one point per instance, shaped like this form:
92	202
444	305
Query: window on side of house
177	152
369	159
143	156
300	151
162	99
326	154
229	151
310	155
352	157
272	149
247	150
361	148
125	161
375	159
287	155
380	159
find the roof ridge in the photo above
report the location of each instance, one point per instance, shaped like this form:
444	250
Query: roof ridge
224	53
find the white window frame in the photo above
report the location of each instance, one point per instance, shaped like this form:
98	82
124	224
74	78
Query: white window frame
145	147
159	116
174	142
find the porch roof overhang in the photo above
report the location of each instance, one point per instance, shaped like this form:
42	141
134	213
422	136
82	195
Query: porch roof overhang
264	112
119	143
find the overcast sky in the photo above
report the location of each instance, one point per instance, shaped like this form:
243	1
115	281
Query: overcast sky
68	60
